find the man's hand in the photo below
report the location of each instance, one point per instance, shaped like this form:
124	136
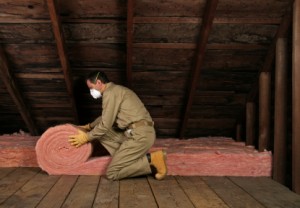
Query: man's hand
78	139
86	127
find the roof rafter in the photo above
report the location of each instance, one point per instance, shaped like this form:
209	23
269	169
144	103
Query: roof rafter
14	92
210	9
129	42
267	66
61	48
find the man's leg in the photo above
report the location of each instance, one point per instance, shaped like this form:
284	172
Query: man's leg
130	159
112	140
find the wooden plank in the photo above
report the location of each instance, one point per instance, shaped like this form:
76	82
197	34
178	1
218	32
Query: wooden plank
39	76
169	194
108	194
58	193
163	33
200	193
94	9
32	192
209	14
152	20
199	20
83	192
296	99
136	193
230	193
33	9
26	33
15	93
14	181
129	42
229	8
280	114
6	171
60	43
165	45
252	9
268	192
247	34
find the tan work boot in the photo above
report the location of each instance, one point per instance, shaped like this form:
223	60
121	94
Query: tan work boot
158	160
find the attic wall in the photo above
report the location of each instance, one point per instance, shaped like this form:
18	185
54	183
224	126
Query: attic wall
166	34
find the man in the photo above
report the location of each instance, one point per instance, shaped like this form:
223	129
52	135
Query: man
122	107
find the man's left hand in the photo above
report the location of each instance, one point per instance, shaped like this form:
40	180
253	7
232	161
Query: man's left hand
78	139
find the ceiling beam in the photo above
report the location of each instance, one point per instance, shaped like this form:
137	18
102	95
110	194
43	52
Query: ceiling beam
15	94
210	10
61	48
129	43
269	60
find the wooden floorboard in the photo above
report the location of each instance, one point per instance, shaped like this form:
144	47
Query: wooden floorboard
59	192
108	194
32	192
15	180
200	193
31	187
136	193
169	194
83	193
268	192
231	194
5	171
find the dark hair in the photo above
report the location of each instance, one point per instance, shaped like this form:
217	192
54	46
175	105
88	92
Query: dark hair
93	76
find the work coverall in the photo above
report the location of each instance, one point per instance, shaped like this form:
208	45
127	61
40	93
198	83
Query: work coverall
122	107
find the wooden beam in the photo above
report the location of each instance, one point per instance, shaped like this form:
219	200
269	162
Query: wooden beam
280	117
296	98
269	60
15	93
62	52
129	42
206	26
250	123
264	110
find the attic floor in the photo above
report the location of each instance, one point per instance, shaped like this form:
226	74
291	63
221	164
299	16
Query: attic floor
31	187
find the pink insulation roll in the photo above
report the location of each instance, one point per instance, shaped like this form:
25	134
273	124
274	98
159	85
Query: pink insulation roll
56	156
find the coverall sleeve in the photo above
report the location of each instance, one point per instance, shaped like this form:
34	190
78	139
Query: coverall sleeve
95	122
110	107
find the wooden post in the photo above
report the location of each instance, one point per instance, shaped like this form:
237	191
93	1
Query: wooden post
296	98
238	136
250	123
264	110
280	118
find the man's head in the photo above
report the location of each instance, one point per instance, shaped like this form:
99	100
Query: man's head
96	83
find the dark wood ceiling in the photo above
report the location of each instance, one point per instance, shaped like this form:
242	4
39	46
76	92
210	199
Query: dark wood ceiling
194	63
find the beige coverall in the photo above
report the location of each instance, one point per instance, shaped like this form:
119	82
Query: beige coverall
121	106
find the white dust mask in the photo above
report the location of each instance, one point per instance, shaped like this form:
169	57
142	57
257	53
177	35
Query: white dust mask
95	93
